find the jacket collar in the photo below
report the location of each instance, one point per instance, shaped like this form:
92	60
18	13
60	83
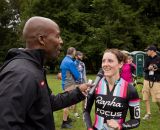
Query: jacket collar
35	55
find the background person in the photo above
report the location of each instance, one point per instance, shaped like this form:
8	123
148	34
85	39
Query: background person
69	76
26	101
151	85
81	67
128	69
82	70
113	96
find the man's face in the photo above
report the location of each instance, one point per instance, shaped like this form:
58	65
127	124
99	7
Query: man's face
53	43
80	57
149	52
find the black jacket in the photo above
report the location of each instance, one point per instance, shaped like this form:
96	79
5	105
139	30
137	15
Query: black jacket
26	102
152	60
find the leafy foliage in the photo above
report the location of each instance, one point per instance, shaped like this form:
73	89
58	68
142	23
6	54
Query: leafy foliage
9	19
92	25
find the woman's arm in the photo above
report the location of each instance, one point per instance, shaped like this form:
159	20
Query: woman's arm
134	108
87	109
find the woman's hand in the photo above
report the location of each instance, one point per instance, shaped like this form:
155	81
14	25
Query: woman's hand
113	124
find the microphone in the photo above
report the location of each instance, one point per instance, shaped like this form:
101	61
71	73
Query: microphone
96	81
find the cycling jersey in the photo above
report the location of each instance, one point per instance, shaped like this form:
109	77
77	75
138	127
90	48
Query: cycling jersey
113	105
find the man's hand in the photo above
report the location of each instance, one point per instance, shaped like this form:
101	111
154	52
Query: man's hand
84	88
152	67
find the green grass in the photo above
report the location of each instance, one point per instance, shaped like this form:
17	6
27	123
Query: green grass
152	124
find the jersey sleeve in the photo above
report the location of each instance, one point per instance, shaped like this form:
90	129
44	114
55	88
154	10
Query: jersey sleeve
87	109
134	109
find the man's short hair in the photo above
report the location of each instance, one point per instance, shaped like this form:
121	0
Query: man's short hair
70	50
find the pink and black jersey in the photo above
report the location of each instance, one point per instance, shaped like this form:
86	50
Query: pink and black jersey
113	105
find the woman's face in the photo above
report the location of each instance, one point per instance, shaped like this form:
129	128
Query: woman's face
129	60
110	65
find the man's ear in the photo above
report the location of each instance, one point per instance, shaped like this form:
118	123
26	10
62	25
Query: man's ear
41	40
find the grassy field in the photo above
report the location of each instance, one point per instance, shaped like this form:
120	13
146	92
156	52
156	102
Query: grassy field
55	85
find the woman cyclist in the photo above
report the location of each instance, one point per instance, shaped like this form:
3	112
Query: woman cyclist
113	97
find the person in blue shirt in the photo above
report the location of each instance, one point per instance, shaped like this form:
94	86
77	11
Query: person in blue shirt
70	75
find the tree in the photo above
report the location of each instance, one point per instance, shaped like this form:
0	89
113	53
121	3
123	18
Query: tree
94	25
9	20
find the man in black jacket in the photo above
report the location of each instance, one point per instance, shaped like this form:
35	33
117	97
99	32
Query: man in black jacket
151	85
26	101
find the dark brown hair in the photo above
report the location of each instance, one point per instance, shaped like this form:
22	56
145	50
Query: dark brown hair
120	56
